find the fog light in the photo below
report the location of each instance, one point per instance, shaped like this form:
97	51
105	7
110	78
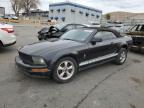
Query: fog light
40	70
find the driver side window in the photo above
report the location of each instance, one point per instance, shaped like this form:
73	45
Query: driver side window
98	35
105	35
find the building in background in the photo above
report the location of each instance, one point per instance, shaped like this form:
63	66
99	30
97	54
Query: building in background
2	11
37	14
74	13
126	17
136	19
123	16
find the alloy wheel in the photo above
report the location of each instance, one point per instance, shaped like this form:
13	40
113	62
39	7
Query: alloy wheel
123	56
65	70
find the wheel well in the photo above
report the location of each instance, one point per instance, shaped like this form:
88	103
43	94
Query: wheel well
70	55
125	46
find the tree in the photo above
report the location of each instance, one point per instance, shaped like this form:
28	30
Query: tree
108	16
16	6
30	4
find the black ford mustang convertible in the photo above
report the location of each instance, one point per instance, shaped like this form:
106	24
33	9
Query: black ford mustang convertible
76	50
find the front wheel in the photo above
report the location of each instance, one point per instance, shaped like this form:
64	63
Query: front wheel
65	70
122	56
40	37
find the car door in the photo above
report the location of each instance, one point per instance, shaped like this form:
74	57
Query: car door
103	49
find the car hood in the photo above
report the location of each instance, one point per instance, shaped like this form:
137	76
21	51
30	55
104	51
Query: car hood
45	47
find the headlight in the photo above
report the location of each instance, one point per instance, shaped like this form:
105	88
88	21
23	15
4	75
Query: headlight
38	61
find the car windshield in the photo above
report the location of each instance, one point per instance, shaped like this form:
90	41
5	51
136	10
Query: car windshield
77	35
60	26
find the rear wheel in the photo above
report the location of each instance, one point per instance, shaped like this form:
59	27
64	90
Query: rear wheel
122	56
65	70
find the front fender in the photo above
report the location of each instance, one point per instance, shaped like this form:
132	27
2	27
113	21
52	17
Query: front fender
60	55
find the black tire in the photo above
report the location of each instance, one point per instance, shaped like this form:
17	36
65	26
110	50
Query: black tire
42	37
39	37
1	44
57	71
122	56
142	50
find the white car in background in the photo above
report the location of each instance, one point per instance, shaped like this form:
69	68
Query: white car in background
7	36
7	27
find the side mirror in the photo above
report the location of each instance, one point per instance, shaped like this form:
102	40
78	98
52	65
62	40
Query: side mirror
95	40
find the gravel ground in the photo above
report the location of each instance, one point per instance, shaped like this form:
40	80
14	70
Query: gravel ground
105	86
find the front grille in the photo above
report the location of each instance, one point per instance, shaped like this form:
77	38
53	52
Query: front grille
27	59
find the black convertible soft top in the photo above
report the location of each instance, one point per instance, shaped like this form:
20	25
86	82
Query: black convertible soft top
105	29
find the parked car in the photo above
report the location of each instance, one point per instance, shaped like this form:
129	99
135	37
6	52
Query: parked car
6	39
57	30
75	50
137	33
6	27
14	18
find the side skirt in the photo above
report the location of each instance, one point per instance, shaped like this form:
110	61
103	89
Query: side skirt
94	60
81	68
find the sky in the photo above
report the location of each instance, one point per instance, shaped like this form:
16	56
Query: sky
105	5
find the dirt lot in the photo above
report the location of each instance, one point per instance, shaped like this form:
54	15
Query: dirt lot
105	86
